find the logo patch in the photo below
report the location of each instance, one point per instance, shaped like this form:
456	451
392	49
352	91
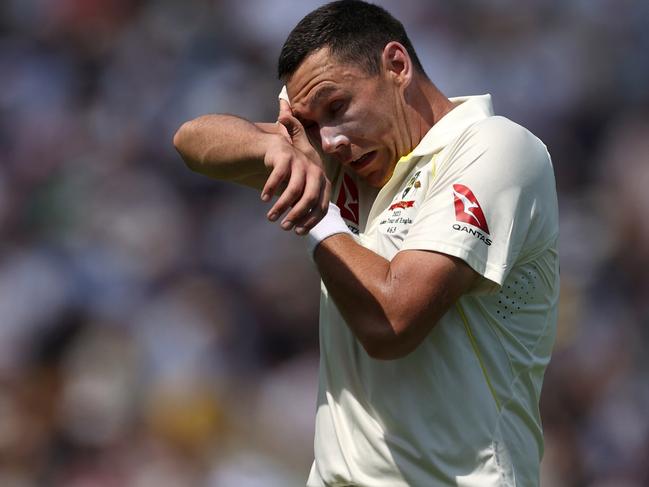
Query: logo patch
413	182
467	208
402	204
348	199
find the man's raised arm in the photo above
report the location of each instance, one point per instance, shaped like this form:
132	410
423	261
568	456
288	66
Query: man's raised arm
262	156
226	147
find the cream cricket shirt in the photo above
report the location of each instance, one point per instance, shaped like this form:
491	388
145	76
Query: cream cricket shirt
462	409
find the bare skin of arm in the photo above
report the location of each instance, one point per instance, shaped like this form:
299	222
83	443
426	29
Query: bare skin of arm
261	156
390	306
225	147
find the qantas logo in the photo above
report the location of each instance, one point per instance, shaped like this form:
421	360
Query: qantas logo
467	208
348	200
402	204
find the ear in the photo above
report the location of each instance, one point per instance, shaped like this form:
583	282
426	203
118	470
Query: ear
397	63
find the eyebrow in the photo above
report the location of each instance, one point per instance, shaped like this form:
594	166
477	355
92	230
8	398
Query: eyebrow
322	93
319	95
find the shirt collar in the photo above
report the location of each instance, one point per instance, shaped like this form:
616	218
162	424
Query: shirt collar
467	111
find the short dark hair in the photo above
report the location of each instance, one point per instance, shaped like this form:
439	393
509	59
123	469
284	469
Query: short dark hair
353	30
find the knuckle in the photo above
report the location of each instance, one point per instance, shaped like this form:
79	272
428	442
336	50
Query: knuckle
280	207
274	171
300	208
318	210
312	200
285	198
270	186
311	222
282	164
303	162
292	193
295	217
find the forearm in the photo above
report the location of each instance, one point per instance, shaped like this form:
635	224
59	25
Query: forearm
223	147
374	299
355	278
263	156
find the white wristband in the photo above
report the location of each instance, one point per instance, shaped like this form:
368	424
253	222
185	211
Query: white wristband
331	224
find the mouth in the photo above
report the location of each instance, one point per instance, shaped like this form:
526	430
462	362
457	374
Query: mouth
363	161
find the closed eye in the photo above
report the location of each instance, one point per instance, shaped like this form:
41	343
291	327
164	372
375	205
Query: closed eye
336	106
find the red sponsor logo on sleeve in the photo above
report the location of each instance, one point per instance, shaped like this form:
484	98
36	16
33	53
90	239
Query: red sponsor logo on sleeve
467	208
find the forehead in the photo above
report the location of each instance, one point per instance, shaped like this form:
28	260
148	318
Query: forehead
319	75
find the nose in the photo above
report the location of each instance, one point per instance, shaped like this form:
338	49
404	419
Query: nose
332	140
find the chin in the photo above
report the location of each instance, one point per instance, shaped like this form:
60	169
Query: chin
379	176
376	179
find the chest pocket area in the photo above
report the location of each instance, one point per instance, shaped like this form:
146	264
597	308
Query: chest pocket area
397	218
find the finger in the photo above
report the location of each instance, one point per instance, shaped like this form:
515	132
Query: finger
283	131
309	200
284	109
291	123
286	118
289	197
327	196
317	213
275	179
296	130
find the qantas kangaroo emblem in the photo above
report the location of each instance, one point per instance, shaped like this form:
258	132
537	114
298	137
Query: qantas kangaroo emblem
467	208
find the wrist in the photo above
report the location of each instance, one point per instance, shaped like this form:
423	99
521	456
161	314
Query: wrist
331	224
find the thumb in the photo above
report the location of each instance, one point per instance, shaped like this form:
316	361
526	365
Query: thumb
284	108
296	131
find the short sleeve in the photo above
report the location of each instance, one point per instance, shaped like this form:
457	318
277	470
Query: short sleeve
492	200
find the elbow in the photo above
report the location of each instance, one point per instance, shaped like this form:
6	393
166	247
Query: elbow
391	341
183	143
382	351
181	136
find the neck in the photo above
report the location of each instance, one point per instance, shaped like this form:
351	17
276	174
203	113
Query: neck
426	105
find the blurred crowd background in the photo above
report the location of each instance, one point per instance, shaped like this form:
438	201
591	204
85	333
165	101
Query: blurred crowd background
156	330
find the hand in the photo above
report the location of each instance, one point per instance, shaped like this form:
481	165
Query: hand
308	190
